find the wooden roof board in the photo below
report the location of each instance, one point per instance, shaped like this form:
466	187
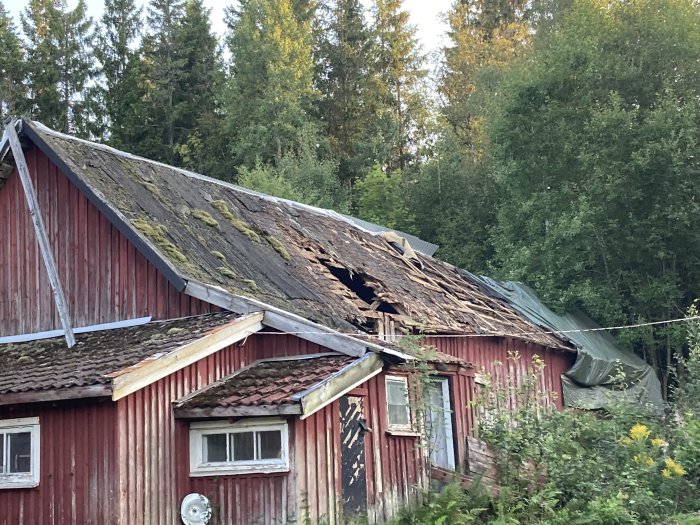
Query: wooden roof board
281	253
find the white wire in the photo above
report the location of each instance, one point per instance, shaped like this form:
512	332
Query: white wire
500	334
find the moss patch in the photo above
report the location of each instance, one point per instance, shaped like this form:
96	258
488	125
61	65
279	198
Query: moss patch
279	247
205	218
251	284
227	272
237	223
175	330
219	255
152	188
156	233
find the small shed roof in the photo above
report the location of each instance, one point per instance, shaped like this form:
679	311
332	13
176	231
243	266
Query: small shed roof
99	357
296	385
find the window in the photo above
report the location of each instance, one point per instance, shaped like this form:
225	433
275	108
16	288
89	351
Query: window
398	411
19	453
219	447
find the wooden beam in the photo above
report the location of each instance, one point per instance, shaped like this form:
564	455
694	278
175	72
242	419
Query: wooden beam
283	321
59	394
338	384
40	230
238	411
129	380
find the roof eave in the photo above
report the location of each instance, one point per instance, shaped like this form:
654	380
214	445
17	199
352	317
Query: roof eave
238	411
56	394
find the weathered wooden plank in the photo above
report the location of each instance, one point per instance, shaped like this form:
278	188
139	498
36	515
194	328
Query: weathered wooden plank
340	383
133	379
40	231
56	395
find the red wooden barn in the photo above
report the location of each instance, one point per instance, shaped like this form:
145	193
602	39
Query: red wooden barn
162	334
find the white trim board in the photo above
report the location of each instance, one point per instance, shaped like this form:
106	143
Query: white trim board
131	379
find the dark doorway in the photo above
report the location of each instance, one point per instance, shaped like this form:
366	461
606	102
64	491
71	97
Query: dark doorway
353	466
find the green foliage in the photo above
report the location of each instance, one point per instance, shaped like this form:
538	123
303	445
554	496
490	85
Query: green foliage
623	466
595	145
12	67
452	506
120	90
453	199
347	101
400	126
270	82
300	176
59	62
380	198
198	141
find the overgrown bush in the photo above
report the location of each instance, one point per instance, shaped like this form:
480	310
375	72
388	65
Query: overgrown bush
624	465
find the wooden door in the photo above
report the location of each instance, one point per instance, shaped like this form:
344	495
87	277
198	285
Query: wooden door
353	464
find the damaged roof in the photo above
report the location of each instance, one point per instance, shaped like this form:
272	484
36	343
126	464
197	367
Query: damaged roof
47	364
310	262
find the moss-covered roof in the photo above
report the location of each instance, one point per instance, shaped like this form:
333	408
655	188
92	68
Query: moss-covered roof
304	260
272	382
48	364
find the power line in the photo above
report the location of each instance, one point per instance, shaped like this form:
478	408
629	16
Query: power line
500	334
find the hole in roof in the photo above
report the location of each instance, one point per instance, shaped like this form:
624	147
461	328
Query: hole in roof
353	281
387	308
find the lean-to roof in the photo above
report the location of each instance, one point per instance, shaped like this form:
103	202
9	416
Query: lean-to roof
47	364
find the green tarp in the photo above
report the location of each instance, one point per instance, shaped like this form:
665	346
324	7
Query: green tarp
604	372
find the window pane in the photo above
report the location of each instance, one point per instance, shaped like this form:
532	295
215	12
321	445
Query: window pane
398	415
214	448
396	393
243	446
20	452
270	444
2	453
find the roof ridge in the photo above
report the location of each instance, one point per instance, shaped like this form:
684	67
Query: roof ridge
198	176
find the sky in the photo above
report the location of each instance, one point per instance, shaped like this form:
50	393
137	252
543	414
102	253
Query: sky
425	16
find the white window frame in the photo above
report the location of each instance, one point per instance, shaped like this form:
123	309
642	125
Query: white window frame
21	480
199	468
397	426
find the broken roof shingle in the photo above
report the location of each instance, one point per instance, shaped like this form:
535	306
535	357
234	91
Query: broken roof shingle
272	382
307	261
48	364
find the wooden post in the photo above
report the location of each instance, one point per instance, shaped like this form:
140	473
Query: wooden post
42	239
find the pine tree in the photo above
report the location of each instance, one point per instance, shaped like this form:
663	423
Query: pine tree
196	116
38	24
163	68
12	70
59	58
119	29
346	86
271	80
399	70
485	35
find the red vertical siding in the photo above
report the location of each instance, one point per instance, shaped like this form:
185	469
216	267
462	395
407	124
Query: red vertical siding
486	352
78	467
104	278
316	460
154	447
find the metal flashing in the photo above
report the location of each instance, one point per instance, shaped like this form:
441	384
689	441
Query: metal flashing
37	336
